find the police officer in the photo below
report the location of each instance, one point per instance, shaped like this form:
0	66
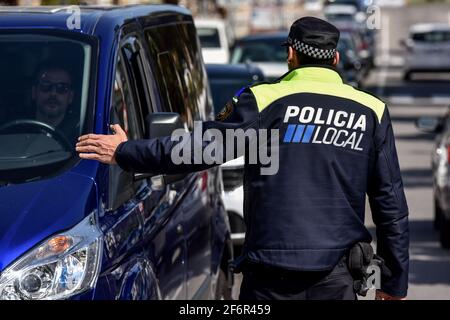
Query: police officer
336	146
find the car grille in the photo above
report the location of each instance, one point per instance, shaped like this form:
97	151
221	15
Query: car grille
233	178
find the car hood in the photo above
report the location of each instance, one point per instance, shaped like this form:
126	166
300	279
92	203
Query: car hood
31	212
272	70
219	55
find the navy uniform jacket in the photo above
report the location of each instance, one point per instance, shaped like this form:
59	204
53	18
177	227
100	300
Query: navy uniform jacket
336	146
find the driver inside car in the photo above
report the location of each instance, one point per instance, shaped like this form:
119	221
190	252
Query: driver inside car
52	96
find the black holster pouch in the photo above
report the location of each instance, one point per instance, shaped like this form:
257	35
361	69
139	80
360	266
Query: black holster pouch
360	257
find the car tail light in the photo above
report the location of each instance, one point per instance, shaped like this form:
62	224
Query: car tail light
204	177
448	154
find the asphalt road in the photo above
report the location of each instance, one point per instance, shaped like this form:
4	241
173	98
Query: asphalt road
426	96
430	265
429	95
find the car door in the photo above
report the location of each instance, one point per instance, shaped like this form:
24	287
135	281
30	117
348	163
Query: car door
162	241
179	71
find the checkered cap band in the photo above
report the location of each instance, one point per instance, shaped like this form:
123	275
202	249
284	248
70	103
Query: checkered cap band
311	51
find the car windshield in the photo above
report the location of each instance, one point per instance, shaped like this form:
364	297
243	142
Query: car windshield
209	37
339	17
43	104
432	36
264	50
357	4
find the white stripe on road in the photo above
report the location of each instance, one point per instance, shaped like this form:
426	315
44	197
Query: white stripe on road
410	100
401	99
440	100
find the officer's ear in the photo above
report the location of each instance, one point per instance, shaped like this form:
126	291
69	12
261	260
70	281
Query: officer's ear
337	57
292	59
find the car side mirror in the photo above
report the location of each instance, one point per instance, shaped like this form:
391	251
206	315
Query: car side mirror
161	124
429	124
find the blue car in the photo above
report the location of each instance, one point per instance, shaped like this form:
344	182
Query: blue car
77	229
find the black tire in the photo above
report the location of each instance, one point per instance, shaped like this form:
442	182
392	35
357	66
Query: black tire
444	228
437	214
223	291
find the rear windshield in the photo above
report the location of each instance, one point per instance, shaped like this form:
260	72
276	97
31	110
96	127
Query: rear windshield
432	36
209	37
339	16
260	51
44	84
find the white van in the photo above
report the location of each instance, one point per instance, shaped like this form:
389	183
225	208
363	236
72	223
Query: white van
216	39
428	49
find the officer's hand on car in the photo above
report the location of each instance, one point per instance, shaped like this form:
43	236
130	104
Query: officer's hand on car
380	295
101	147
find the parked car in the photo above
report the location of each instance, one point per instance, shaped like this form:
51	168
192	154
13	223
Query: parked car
359	5
225	82
265	51
350	64
216	39
440	165
340	12
364	41
77	229
428	48
313	5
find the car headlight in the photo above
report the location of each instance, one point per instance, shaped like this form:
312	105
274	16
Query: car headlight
62	266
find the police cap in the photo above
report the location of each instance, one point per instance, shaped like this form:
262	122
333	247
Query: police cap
313	37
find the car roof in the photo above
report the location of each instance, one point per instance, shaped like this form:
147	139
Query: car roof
340	8
56	17
264	36
427	27
205	22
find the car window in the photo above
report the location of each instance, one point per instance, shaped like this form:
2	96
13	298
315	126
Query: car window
259	51
45	103
433	36
179	71
124	111
209	37
138	70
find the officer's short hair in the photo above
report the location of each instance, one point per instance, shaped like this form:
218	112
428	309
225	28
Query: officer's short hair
306	60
